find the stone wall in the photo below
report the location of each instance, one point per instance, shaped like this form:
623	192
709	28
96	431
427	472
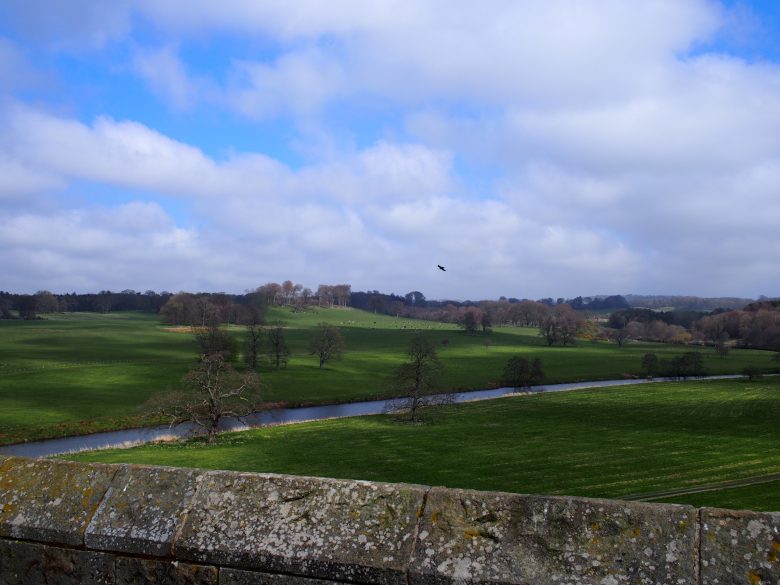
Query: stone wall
68	523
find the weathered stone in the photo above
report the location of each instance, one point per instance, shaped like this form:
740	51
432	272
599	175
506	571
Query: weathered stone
481	537
739	547
329	529
50	501
23	563
134	571
240	577
142	509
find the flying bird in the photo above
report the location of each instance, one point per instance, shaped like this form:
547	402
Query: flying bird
441	268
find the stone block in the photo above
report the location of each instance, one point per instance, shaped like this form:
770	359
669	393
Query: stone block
136	571
24	563
328	529
739	547
50	501
482	537
241	577
142	509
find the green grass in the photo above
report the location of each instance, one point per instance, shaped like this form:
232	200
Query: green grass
77	373
85	372
611	442
763	497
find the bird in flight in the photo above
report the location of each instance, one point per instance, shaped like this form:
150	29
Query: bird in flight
441	268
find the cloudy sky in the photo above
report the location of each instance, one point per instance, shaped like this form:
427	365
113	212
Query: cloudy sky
534	148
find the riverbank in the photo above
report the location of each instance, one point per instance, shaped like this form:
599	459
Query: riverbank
615	442
139	436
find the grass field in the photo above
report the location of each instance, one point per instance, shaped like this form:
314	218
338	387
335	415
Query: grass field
611	442
79	373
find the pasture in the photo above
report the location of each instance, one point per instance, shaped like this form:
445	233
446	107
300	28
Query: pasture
611	442
79	373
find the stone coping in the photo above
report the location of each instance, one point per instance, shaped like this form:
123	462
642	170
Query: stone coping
305	528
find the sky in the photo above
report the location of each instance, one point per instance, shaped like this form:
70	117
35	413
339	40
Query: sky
535	148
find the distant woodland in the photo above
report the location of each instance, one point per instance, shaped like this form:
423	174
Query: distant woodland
720	322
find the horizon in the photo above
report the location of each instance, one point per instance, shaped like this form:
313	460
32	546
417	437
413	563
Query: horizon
532	147
400	295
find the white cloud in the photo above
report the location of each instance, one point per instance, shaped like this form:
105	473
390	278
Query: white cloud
620	155
72	25
17	179
168	77
131	246
123	153
495	52
301	82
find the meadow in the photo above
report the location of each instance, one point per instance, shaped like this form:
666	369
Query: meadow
619	442
85	372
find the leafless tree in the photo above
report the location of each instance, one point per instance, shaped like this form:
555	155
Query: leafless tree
46	302
326	343
252	318
521	372
212	391
277	346
416	378
561	325
619	336
325	295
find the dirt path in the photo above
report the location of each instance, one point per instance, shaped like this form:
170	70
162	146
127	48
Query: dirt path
710	487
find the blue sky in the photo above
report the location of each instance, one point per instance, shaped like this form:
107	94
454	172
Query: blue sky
539	148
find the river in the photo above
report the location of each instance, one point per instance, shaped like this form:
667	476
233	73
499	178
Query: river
132	437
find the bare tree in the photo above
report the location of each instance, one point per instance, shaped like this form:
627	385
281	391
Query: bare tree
325	295
416	378
487	322
470	321
519	372
619	336
212	391
722	345
650	364
562	325
46	302
277	346
326	343
252	318
213	339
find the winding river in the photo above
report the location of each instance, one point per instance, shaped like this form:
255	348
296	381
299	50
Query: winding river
132	437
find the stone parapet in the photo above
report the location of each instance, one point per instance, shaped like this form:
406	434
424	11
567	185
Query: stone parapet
64	522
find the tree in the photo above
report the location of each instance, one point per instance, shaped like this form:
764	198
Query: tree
519	372
212	339
326	343
561	325
537	375
324	295
722	344
469	321
752	373
25	304
176	310
252	319
212	391
277	346
619	336
487	322
415	378
688	364
650	364
415	299
46	302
